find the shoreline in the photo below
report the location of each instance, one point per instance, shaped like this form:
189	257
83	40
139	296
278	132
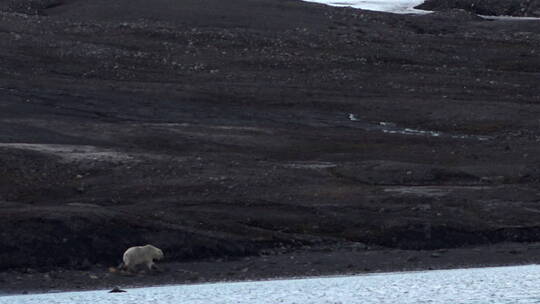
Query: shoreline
322	262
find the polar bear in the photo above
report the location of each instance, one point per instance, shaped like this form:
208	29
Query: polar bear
138	255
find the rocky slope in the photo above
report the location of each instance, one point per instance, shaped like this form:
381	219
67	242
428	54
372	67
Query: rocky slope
234	128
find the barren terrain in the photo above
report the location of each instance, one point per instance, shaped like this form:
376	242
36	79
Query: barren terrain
230	129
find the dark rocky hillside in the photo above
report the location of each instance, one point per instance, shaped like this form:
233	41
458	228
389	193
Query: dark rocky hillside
254	127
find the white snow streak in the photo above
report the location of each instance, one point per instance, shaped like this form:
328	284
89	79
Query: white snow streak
401	7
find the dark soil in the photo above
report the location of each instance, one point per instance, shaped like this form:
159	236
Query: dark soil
517	8
229	129
313	261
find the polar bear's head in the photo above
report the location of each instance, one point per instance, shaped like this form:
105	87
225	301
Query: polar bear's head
156	253
159	254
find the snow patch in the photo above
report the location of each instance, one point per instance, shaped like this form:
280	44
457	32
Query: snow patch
510	18
311	165
71	153
390	6
402	7
392	128
429	191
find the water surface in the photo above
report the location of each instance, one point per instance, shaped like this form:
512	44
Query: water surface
498	285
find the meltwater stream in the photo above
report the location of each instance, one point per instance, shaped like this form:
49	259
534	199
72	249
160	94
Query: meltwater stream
508	285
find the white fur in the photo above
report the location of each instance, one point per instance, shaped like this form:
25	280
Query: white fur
141	255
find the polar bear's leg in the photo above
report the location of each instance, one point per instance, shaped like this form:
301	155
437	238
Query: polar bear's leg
130	268
130	263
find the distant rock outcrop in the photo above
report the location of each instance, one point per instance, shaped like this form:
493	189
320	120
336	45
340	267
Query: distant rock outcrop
519	8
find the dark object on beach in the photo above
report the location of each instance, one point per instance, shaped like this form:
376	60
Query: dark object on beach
116	289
